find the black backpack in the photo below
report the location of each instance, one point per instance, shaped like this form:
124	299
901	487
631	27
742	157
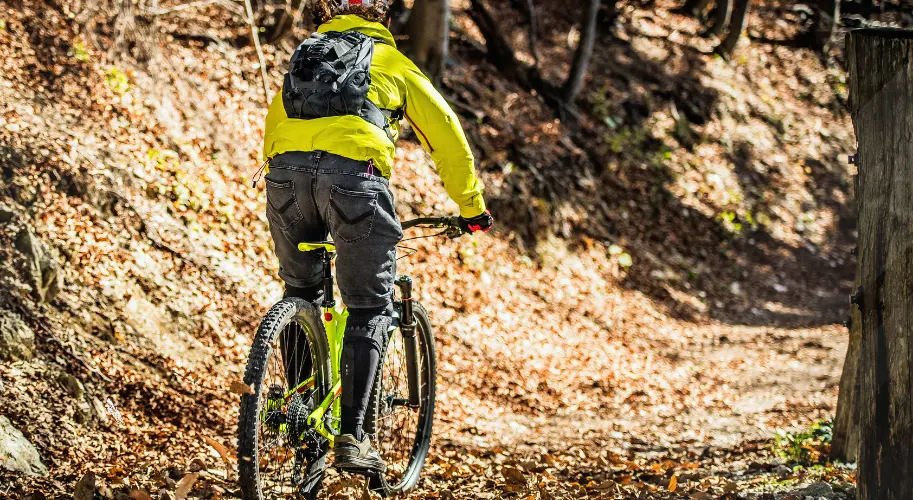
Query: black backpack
329	75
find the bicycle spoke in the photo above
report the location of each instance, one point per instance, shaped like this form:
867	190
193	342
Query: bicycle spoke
397	422
279	464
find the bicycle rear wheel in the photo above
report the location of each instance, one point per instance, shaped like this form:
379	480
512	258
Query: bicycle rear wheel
278	455
402	434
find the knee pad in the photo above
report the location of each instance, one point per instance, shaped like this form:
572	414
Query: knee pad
310	293
369	325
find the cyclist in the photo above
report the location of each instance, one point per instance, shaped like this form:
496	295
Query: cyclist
330	174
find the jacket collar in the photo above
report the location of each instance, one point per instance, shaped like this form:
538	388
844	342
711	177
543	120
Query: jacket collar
350	22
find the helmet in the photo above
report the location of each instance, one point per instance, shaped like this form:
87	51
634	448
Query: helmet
344	5
372	10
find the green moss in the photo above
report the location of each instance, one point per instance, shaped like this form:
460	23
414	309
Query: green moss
117	80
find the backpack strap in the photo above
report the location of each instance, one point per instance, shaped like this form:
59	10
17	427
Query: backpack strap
380	117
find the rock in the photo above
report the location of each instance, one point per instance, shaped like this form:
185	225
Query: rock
99	410
783	470
42	272
6	213
17	340
85	488
816	490
759	467
71	384
21	455
77	390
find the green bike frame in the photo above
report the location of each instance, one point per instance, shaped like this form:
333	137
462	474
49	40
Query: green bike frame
334	323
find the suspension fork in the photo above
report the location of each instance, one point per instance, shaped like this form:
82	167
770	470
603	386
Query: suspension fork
407	327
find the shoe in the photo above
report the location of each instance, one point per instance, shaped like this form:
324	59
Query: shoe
353	455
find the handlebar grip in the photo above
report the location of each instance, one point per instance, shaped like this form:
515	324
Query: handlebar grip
438	221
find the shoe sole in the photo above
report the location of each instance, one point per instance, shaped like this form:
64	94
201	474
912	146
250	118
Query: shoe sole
355	464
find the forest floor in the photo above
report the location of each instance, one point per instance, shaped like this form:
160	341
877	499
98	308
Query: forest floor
662	297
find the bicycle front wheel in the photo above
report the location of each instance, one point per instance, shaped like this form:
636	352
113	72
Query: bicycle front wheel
289	374
403	433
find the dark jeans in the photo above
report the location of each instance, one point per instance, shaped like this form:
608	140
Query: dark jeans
312	194
308	196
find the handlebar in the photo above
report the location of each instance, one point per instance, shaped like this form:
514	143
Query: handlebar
450	224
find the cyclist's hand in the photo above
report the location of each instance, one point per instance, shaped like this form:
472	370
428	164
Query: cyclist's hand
481	223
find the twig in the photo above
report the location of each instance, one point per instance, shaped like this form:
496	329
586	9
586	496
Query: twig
155	11
73	355
255	35
531	10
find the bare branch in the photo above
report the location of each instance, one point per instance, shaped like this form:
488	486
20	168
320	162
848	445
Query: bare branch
255	35
229	5
582	56
531	11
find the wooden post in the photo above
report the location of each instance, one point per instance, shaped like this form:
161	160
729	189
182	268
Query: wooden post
881	101
845	442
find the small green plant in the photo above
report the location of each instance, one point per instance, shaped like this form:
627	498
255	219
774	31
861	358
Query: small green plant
731	221
751	221
806	448
117	80
624	258
2	24
601	105
80	52
628	140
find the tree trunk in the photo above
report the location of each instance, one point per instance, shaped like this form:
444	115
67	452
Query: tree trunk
582	55
845	442
721	16
532	31
881	90
501	55
429	30
694	7
736	26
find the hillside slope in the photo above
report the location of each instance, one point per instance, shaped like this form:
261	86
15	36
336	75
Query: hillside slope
557	359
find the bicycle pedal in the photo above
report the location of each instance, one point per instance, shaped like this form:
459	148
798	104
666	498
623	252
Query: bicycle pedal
374	481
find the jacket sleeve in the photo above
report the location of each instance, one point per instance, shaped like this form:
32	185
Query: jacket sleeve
441	134
274	115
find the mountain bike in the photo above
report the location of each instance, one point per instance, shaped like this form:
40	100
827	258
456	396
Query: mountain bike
290	417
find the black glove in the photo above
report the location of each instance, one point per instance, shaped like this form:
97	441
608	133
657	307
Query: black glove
482	222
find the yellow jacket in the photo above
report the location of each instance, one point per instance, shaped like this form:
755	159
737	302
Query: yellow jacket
396	83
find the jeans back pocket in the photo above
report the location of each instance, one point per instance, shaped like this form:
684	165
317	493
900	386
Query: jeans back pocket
281	204
351	213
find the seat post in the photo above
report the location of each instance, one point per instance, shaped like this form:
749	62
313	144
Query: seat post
329	300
